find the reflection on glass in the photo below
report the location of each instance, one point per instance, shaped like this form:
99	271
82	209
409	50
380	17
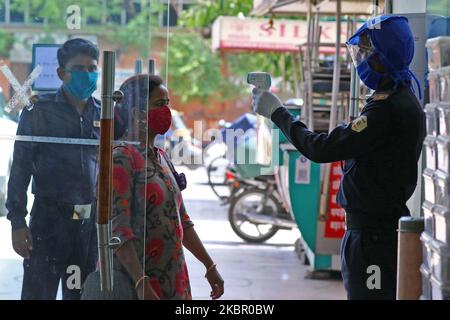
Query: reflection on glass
51	169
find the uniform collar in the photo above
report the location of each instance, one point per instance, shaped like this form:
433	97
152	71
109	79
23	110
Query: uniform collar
61	97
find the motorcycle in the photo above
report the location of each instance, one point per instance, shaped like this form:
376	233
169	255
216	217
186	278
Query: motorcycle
256	213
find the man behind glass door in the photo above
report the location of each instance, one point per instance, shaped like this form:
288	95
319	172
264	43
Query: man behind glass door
60	242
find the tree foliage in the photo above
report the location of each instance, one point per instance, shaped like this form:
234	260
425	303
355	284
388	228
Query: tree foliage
6	42
200	75
195	71
205	12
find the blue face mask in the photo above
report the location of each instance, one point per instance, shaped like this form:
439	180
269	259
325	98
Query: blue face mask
370	77
82	84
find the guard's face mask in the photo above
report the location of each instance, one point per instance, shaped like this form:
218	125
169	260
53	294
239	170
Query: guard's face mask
81	84
362	53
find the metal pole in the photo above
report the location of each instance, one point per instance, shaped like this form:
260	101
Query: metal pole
316	36
354	93
337	69
309	108
388	6
295	74
138	66
309	20
302	87
104	204
149	28
333	111
354	85
375	7
151	66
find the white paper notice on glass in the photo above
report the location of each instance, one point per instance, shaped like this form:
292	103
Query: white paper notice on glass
45	55
302	170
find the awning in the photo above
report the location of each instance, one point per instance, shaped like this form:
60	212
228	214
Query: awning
358	7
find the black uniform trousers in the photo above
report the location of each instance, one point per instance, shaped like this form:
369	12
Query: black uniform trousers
369	263
58	242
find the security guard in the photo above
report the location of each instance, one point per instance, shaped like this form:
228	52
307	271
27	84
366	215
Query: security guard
61	240
380	148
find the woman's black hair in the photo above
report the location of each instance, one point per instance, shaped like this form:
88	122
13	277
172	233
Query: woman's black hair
154	81
136	93
74	47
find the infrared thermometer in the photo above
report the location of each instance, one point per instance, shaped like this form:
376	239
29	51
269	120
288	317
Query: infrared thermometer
260	80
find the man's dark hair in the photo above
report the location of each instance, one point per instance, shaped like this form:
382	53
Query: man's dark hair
74	47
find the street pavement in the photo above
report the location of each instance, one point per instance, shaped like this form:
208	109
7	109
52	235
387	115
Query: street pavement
250	271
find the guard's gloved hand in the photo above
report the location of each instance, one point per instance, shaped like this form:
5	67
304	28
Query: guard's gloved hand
265	102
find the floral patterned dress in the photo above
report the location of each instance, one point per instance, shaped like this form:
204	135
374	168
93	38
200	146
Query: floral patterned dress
148	209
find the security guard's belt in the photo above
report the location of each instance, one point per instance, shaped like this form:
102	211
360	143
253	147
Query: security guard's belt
365	221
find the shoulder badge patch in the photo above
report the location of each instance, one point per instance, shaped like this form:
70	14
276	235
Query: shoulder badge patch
359	124
34	99
381	96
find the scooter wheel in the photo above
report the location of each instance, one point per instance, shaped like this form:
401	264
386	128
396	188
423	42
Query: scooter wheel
250	201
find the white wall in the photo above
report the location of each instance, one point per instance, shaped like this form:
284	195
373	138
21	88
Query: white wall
409	6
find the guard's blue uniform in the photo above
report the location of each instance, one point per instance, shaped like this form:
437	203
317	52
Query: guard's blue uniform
64	175
381	149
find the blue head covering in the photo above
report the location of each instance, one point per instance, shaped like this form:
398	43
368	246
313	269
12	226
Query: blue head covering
392	39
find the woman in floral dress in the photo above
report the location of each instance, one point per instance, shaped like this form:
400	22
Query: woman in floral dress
143	181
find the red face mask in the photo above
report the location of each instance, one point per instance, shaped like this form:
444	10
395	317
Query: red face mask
159	119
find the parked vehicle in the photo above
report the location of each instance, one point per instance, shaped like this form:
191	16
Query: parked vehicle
218	171
217	157
256	212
